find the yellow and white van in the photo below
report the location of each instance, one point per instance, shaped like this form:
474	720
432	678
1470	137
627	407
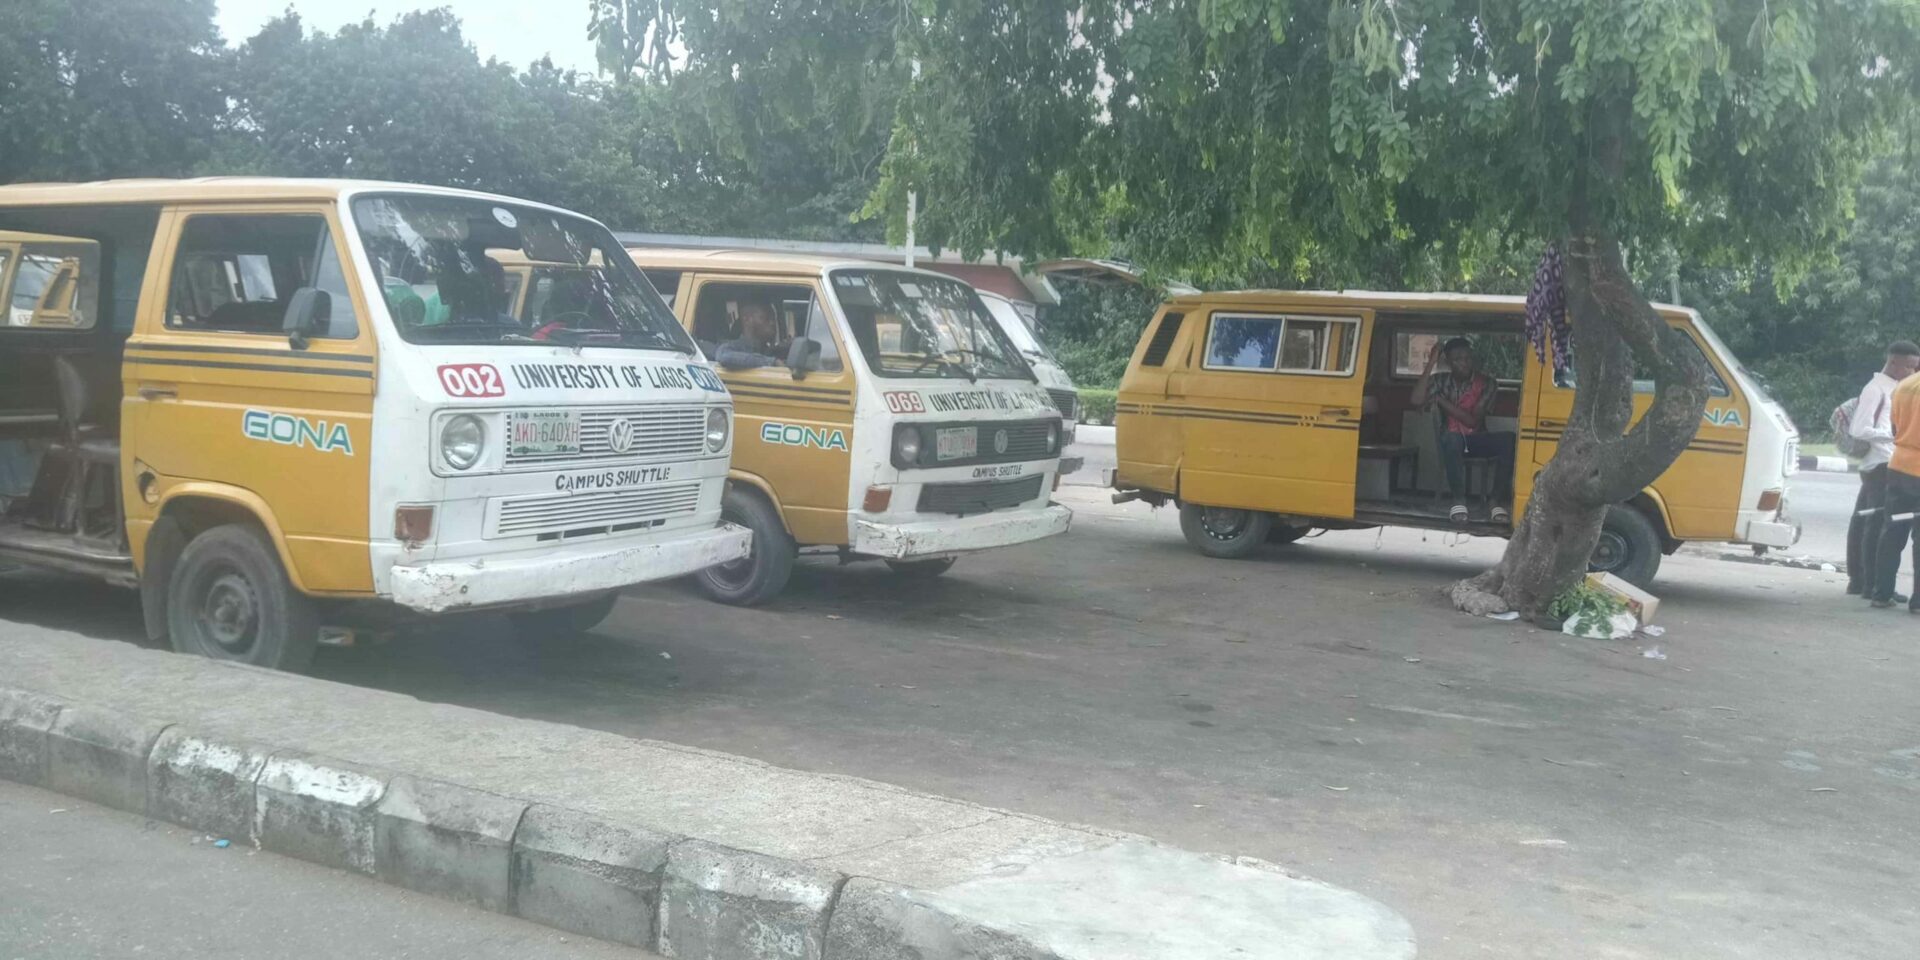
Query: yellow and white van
1267	414
281	408
888	418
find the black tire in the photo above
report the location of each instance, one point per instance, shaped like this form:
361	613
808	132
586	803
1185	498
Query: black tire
229	599
765	570
922	569
1222	532
1285	533
555	623
1628	548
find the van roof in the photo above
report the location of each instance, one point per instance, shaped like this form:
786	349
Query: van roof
1397	301
761	261
218	188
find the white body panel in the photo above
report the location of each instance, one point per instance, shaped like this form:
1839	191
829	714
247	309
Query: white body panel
470	560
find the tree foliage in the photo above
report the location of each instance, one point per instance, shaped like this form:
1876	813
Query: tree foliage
106	88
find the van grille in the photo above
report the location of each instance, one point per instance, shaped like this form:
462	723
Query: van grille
1068	403
660	432
970	498
588	513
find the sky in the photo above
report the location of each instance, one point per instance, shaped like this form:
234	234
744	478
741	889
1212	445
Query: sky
515	31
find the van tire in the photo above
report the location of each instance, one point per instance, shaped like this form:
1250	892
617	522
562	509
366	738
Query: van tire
922	569
765	570
1628	548
1222	532
229	599
559	623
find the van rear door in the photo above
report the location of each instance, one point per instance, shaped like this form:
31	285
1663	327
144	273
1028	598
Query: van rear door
1271	410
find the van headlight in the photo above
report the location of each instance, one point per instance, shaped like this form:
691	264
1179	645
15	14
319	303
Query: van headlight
906	445
1053	436
463	439
719	427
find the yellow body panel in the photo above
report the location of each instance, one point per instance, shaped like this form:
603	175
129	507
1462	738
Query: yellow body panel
190	396
1281	442
808	479
1699	495
1284	443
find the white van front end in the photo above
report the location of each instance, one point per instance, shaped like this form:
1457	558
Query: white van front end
960	467
539	439
1773	457
594	472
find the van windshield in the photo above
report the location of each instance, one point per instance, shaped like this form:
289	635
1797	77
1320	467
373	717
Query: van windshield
913	325
467	270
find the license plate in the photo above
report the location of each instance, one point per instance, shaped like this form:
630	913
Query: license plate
543	433
956	443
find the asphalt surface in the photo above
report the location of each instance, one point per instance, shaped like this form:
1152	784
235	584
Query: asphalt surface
81	881
1514	793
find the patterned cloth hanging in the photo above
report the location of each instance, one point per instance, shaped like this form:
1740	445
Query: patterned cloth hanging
1547	311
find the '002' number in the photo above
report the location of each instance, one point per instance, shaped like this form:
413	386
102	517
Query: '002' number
472	380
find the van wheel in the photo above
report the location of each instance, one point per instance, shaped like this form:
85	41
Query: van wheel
1628	548
560	622
763	572
229	599
1224	532
922	569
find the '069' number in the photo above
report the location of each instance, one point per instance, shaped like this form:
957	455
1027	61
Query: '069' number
905	401
472	380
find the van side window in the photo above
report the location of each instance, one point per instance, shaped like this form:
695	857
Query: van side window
1282	344
1162	342
53	284
236	273
796	313
1643	375
666	283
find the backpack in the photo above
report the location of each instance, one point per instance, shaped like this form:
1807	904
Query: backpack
1842	425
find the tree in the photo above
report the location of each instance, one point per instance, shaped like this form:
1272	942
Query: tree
93	88
1428	136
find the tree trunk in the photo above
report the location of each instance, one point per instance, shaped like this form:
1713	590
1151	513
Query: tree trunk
1600	461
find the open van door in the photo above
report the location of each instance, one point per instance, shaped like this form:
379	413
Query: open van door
1090	270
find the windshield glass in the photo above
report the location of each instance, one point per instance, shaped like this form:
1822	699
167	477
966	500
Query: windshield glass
1017	328
462	270
913	325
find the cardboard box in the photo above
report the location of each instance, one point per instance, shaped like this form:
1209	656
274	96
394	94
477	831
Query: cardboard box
1641	604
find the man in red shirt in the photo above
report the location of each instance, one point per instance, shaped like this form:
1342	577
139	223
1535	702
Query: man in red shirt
1463	395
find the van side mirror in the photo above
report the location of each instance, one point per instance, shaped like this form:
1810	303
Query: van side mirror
803	355
307	313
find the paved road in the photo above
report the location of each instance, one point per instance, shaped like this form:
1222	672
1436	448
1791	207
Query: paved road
1822	502
86	882
1514	793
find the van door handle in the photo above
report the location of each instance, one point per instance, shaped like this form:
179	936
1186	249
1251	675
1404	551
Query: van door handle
1336	411
158	393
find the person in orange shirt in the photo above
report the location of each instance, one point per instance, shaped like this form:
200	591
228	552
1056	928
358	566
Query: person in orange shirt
1903	495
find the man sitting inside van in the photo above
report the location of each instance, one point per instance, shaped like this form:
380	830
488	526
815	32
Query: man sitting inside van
1463	395
755	347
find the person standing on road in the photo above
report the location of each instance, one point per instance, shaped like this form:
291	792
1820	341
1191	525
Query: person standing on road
1872	423
1903	494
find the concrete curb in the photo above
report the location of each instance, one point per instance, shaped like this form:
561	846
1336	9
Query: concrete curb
1828	464
676	895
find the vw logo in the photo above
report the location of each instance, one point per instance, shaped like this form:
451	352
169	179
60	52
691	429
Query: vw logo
620	436
999	441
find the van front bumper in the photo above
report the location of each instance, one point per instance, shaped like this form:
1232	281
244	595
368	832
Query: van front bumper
563	571
1776	534
929	538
